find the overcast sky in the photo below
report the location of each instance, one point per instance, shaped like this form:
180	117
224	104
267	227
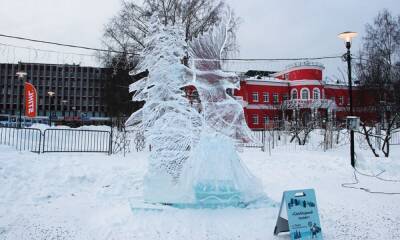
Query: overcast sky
269	29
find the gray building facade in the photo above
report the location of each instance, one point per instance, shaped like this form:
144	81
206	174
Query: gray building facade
78	90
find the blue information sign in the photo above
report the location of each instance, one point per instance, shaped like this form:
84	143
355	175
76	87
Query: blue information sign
302	219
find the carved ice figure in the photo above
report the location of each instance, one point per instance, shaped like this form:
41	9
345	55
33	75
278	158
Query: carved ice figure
170	124
193	161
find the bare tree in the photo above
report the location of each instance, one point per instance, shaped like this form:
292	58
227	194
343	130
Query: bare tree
378	65
126	31
378	70
300	131
385	136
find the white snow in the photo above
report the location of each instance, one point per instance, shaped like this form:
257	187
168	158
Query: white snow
86	196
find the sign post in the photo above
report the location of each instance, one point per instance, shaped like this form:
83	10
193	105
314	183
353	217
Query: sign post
301	219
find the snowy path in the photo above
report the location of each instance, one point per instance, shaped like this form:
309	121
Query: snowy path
86	196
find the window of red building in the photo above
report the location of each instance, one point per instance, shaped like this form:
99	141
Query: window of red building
316	93
266	119
305	94
294	94
285	97
341	100
255	97
276	98
254	119
266	97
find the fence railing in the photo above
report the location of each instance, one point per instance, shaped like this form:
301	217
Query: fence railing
71	140
56	140
259	136
395	139
23	139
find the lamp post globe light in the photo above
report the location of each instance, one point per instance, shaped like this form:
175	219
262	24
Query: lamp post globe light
21	79
51	94
347	37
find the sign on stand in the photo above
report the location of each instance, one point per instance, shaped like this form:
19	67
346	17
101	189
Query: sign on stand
298	215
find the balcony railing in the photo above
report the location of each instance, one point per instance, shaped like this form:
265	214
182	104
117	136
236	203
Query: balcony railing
305	63
309	103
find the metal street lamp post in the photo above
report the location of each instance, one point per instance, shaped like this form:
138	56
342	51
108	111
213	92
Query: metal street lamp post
21	79
51	94
347	37
74	111
63	103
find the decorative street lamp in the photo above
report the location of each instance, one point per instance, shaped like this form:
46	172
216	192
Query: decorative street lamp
347	37
51	94
21	79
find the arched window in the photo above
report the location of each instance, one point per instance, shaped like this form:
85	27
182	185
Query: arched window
294	94
316	93
305	94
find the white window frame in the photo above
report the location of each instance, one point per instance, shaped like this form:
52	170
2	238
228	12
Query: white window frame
341	100
254	96
316	90
286	76
266	97
277	98
285	97
308	93
292	93
254	119
266	119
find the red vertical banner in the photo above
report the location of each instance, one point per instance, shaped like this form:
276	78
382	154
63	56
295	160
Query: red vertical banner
30	100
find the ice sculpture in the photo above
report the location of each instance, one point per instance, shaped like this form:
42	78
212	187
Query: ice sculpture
215	177
214	174
193	162
171	125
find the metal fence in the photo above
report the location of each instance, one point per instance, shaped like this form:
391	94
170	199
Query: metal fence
395	139
260	137
56	140
71	140
23	139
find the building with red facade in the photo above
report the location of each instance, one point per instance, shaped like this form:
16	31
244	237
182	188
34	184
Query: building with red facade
296	93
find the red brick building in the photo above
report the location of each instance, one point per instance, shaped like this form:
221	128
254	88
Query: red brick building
296	93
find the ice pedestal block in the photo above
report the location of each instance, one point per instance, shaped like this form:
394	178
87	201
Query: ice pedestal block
217	194
214	194
212	177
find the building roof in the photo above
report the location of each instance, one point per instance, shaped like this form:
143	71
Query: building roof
258	73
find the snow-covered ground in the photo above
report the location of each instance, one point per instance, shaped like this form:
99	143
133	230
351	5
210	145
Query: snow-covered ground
86	196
